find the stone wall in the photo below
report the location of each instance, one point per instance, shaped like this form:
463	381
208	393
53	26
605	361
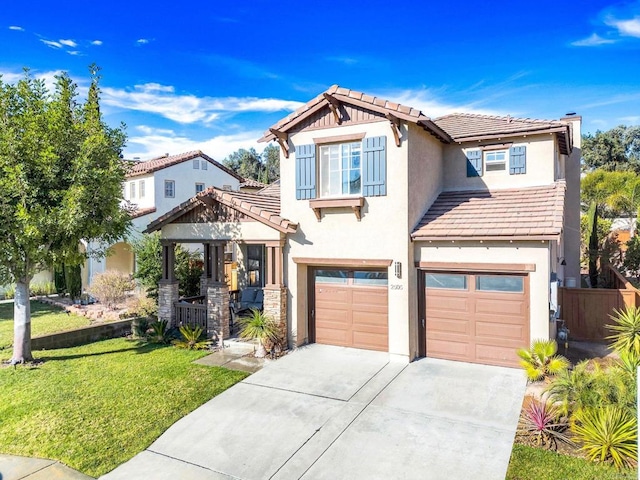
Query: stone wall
80	336
275	307
167	295
218	311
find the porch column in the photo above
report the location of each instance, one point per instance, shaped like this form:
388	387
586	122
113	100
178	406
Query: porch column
217	295
168	285
275	292
206	274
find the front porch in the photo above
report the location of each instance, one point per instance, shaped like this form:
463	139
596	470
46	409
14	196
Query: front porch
218	307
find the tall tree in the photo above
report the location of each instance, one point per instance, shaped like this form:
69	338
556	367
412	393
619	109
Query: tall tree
246	163
271	162
615	149
61	182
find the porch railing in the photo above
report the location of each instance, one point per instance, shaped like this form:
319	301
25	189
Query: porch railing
192	314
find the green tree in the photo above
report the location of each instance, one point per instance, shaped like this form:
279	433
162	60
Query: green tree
271	161
246	163
61	182
615	149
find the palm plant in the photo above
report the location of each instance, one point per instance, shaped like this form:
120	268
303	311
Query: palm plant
159	332
626	336
572	389
540	361
192	338
541	423
258	326
608	435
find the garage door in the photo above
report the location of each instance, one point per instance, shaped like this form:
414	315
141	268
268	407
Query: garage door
351	308
476	317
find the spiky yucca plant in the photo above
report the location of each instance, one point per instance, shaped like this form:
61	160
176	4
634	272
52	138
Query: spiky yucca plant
608	435
626	336
192	339
540	361
542	425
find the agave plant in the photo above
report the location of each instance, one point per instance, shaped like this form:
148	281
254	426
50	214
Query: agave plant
159	332
192	339
541	361
608	435
258	326
626	336
541	423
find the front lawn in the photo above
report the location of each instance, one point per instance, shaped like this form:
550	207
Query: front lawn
528	462
44	319
95	406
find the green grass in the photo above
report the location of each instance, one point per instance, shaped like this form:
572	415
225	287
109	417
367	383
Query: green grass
527	463
94	407
44	319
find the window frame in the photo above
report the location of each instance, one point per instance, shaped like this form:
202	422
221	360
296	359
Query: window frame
325	192
196	164
132	190
199	184
172	184
491	162
141	189
204	165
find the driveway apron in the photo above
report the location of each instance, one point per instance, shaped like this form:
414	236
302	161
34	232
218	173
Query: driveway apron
341	413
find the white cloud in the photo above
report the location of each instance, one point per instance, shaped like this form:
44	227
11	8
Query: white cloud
142	41
157	142
627	28
48	77
632	119
432	106
344	60
68	43
74	52
16	28
162	100
50	43
593	41
97	42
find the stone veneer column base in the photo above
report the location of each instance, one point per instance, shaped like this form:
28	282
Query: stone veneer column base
167	296
275	307
218	311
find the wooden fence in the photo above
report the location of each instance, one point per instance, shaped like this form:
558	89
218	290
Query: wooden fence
191	312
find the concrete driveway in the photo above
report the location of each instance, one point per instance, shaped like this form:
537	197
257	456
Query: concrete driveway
327	412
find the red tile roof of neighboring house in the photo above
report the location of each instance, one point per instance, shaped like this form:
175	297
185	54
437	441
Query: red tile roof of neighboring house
142	212
346	95
272	189
250	183
523	213
463	127
263	208
153	165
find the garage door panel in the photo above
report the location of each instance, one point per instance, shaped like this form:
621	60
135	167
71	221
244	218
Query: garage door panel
370	320
478	326
370	341
337	336
370	296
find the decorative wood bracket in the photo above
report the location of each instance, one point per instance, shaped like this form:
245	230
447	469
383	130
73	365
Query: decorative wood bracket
283	140
334	105
395	127
355	203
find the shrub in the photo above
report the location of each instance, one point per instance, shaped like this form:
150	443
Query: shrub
541	361
542	425
142	306
140	327
10	292
58	280
192	339
626	336
608	435
42	288
73	281
111	287
189	269
258	326
160	332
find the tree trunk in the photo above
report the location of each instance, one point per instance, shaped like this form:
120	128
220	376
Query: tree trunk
21	324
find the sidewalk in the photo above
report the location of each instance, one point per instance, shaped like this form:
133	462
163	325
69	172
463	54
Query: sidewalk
18	468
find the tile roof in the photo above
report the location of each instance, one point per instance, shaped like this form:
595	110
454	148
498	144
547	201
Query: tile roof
354	97
141	212
523	213
250	183
263	208
466	126
272	189
155	164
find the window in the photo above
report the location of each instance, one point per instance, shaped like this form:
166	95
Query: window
446	280
340	169
199	187
495	160
141	188
169	188
370	278
204	165
499	283
255	263
132	190
196	164
332	276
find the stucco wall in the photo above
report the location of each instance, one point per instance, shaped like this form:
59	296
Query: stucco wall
220	231
381	234
537	253
149	191
572	206
541	162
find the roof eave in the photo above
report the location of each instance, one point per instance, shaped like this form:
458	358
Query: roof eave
486	238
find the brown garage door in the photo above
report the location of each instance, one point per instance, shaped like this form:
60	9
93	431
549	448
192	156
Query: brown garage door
351	308
476	317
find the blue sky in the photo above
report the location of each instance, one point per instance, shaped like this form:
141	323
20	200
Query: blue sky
215	75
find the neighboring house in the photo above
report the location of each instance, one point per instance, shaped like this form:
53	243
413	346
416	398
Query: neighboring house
392	231
251	186
155	187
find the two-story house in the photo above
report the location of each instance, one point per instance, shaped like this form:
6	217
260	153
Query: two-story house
392	231
154	187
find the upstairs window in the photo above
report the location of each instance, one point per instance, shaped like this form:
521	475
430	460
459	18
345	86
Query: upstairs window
199	187
169	188
141	192
204	165
132	190
495	160
340	170
196	164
